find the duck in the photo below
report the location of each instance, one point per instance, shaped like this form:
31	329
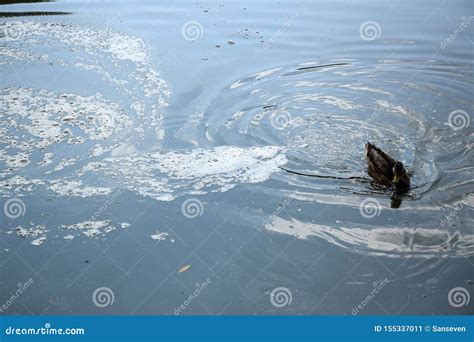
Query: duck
385	170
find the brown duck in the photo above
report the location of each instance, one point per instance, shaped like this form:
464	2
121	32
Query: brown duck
386	170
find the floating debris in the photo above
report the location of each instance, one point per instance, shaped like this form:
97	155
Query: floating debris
30	232
184	268
159	236
91	228
38	241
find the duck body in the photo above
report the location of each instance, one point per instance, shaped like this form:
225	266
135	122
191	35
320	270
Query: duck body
386	170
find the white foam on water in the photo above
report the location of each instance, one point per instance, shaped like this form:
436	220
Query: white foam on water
166	175
36	121
37	233
75	188
159	236
31	231
49	135
91	228
121	60
163	176
42	127
39	241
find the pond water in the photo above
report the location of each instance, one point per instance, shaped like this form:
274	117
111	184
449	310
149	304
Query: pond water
144	145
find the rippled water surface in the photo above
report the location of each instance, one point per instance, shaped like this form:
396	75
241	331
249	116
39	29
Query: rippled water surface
145	151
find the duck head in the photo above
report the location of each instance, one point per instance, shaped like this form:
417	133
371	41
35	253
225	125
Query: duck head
398	172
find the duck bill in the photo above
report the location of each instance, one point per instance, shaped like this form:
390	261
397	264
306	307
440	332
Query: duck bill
396	179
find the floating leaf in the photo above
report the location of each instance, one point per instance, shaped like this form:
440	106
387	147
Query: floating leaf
184	268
